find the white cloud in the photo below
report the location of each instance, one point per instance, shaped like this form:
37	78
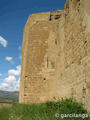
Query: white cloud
15	72
0	74
11	83
10	78
3	42
9	58
11	86
4	84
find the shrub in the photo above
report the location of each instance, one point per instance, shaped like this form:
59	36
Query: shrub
43	111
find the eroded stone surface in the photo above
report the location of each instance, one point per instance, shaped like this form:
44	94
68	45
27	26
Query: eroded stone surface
56	55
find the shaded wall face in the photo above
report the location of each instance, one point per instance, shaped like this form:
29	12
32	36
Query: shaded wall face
74	78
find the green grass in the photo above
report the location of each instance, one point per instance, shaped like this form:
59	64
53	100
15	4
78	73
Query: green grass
44	111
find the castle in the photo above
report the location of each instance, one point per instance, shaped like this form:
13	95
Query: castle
56	55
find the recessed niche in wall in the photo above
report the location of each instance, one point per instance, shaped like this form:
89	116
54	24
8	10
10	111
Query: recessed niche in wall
44	78
26	76
85	42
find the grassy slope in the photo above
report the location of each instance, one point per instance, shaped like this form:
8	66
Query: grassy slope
45	111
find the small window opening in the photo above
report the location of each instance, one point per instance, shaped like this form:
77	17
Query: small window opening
25	95
84	90
85	42
54	98
79	4
44	79
78	9
83	96
56	42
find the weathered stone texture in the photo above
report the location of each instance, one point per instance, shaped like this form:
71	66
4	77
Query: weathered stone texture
56	55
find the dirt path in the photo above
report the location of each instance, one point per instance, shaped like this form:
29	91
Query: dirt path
5	105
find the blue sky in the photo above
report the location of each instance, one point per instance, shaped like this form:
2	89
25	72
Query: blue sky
13	16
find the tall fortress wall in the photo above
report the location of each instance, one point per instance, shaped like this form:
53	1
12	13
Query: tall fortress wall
56	55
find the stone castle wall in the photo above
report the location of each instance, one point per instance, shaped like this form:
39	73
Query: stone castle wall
56	55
